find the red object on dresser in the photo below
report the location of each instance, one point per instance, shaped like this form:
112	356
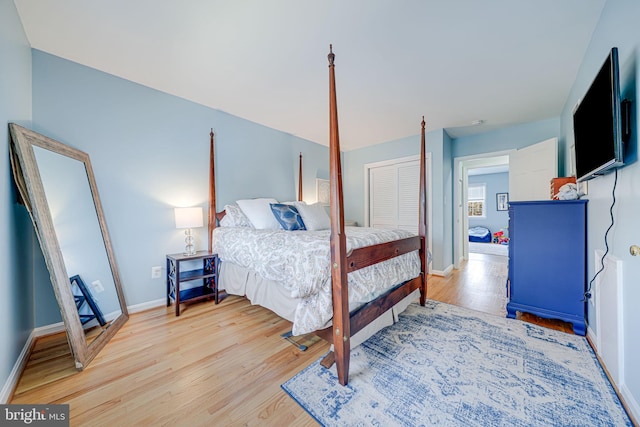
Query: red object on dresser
556	183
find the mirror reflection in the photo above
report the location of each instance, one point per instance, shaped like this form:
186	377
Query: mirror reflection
75	223
58	188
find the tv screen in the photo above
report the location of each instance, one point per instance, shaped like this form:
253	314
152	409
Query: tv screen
597	124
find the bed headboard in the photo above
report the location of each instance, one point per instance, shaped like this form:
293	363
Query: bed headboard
215	217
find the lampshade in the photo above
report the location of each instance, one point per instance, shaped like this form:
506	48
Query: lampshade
189	217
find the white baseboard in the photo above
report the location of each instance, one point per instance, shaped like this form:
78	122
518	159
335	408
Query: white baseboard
146	305
14	375
632	404
23	357
593	337
53	328
443	273
448	270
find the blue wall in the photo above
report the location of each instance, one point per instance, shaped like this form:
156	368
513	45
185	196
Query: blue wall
17	242
438	144
443	150
150	153
618	27
494	183
355	161
513	137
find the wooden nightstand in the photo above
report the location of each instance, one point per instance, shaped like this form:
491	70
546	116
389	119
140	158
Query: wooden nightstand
208	274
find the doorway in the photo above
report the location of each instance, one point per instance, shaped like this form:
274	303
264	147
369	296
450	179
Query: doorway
478	279
532	168
479	164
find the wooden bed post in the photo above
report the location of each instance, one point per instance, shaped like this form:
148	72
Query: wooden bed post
300	179
422	227
212	192
341	320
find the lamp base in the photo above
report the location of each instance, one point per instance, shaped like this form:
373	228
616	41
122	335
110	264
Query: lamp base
189	249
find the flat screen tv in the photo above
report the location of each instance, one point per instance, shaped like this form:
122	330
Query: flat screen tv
597	123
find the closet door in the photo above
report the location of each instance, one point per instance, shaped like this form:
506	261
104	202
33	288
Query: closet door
393	196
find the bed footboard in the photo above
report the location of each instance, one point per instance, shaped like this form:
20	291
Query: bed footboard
364	315
370	255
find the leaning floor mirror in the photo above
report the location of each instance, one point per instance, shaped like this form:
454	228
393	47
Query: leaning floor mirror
58	188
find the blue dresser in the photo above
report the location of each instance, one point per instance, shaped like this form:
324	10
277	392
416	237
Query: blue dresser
548	260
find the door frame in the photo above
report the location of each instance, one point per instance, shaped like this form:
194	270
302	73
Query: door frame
460	184
427	163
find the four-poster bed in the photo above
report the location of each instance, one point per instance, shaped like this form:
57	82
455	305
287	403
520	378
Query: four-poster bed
359	285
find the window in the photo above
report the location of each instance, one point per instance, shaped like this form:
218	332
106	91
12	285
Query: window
476	201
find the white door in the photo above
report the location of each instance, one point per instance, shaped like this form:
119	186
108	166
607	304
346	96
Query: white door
531	170
383	197
393	196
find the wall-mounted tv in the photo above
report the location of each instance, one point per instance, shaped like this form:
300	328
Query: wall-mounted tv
597	124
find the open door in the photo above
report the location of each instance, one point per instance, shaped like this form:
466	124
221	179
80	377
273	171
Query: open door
531	170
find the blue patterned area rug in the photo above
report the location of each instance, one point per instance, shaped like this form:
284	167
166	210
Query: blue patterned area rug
447	366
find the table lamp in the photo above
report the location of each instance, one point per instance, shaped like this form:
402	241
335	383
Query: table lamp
189	218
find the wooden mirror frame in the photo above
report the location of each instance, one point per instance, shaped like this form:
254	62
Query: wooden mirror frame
30	187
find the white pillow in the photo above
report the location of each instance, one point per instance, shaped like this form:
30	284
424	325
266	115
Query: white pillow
295	204
235	217
226	221
259	213
314	216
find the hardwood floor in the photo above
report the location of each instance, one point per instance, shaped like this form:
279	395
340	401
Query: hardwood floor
215	364
480	284
164	370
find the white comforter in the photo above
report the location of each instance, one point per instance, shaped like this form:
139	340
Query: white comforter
299	260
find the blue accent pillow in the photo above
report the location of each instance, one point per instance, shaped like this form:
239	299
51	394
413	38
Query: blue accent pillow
287	216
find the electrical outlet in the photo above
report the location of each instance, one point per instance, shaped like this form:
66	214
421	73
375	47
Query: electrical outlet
156	272
96	285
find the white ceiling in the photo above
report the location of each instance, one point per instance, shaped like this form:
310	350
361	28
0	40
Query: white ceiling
453	61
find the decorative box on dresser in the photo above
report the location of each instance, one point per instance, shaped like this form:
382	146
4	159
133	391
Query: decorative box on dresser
548	260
